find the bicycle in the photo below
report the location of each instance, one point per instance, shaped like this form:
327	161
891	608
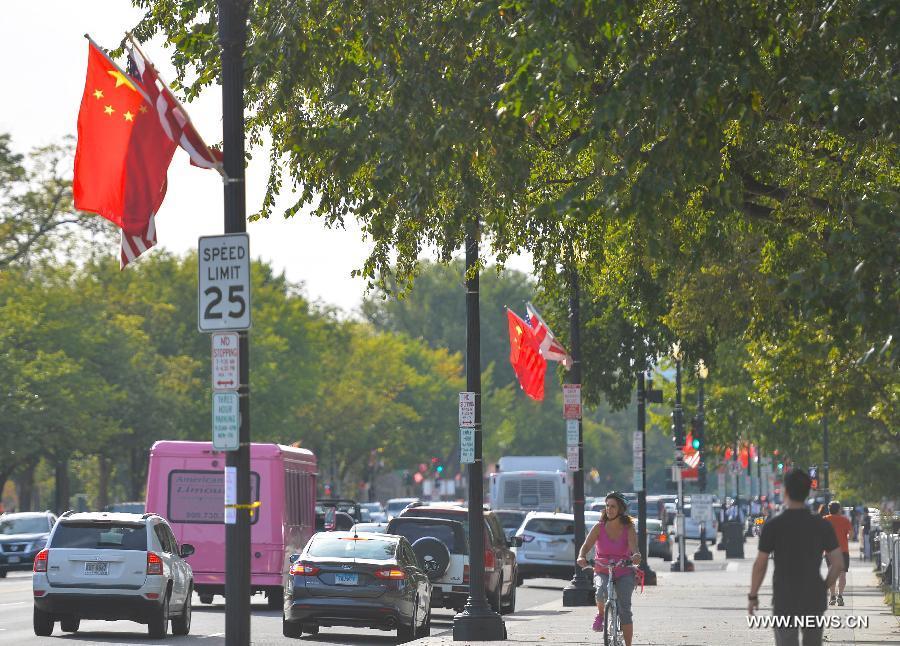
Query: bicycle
612	625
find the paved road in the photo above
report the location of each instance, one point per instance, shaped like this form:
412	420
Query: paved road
208	624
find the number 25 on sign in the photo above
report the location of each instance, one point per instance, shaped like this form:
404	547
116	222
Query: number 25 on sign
224	285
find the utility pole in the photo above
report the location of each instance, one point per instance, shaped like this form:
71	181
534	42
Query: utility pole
580	591
477	622
232	15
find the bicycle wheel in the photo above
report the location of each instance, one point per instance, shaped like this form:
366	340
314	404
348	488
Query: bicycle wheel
611	631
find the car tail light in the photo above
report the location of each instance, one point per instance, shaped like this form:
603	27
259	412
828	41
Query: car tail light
527	538
465	574
304	569
154	564
40	561
489	561
663	538
392	574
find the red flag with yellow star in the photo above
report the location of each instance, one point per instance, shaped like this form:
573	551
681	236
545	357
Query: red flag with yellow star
525	356
122	154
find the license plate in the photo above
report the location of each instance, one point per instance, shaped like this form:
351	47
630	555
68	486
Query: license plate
13	559
346	579
96	568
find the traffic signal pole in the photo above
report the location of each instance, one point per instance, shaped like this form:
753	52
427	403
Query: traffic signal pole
232	15
477	622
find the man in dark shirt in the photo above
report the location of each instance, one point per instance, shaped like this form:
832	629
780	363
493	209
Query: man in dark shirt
798	538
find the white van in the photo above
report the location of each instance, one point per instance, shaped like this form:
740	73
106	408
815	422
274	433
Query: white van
531	490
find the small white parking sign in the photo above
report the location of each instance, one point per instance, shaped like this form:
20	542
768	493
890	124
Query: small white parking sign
224	285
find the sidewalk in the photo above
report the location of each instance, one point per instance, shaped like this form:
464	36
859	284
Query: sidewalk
706	607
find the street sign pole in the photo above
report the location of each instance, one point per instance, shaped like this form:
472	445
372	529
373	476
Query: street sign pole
477	622
232	20
580	591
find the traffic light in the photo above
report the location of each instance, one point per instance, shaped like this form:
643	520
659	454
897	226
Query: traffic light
437	465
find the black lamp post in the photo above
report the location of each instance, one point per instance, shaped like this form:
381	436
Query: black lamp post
682	564
477	622
580	591
702	554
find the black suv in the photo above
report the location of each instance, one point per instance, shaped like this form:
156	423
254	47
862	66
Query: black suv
22	536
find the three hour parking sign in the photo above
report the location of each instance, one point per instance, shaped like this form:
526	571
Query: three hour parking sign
224	285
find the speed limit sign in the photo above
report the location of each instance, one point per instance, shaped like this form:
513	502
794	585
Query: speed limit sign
224	285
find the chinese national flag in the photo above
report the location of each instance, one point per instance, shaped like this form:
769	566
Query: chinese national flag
525	357
122	154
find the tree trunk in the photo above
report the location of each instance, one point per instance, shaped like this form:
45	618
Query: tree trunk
138	475
103	468
24	480
3	478
61	500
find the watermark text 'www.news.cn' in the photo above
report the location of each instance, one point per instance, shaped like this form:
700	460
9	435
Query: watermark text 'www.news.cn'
808	621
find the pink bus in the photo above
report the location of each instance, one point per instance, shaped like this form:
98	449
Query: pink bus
186	485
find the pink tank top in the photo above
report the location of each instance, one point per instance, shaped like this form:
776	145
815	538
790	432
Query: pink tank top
607	549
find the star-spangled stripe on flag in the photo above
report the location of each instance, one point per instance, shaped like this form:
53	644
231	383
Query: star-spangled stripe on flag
551	349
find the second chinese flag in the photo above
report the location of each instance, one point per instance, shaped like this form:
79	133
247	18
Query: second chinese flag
122	154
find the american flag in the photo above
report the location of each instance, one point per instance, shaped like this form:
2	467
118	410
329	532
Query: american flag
178	128
173	118
551	349
134	246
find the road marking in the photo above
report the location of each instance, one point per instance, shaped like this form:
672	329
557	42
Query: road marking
16	603
732	567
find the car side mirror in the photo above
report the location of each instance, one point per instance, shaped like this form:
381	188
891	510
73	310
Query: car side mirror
515	541
186	550
293	558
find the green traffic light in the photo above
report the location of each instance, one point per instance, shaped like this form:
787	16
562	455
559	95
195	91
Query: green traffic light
695	443
440	468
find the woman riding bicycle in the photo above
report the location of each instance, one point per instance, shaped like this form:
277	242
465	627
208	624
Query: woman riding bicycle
615	539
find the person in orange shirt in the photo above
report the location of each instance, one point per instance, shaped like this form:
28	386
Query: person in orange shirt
842	529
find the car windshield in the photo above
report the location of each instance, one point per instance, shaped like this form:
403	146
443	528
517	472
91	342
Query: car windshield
654	526
101	536
352	547
510	519
372	506
550	526
413	530
24	525
397	505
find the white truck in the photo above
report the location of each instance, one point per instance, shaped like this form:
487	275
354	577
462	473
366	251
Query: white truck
539	483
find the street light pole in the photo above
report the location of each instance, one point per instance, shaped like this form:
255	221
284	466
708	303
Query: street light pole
703	553
477	622
682	564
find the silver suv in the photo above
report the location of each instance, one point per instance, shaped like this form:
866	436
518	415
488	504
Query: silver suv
103	565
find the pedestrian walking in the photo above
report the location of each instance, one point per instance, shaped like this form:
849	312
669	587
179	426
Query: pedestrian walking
842	530
797	538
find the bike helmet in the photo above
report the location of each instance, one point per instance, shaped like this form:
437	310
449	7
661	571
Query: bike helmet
620	498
